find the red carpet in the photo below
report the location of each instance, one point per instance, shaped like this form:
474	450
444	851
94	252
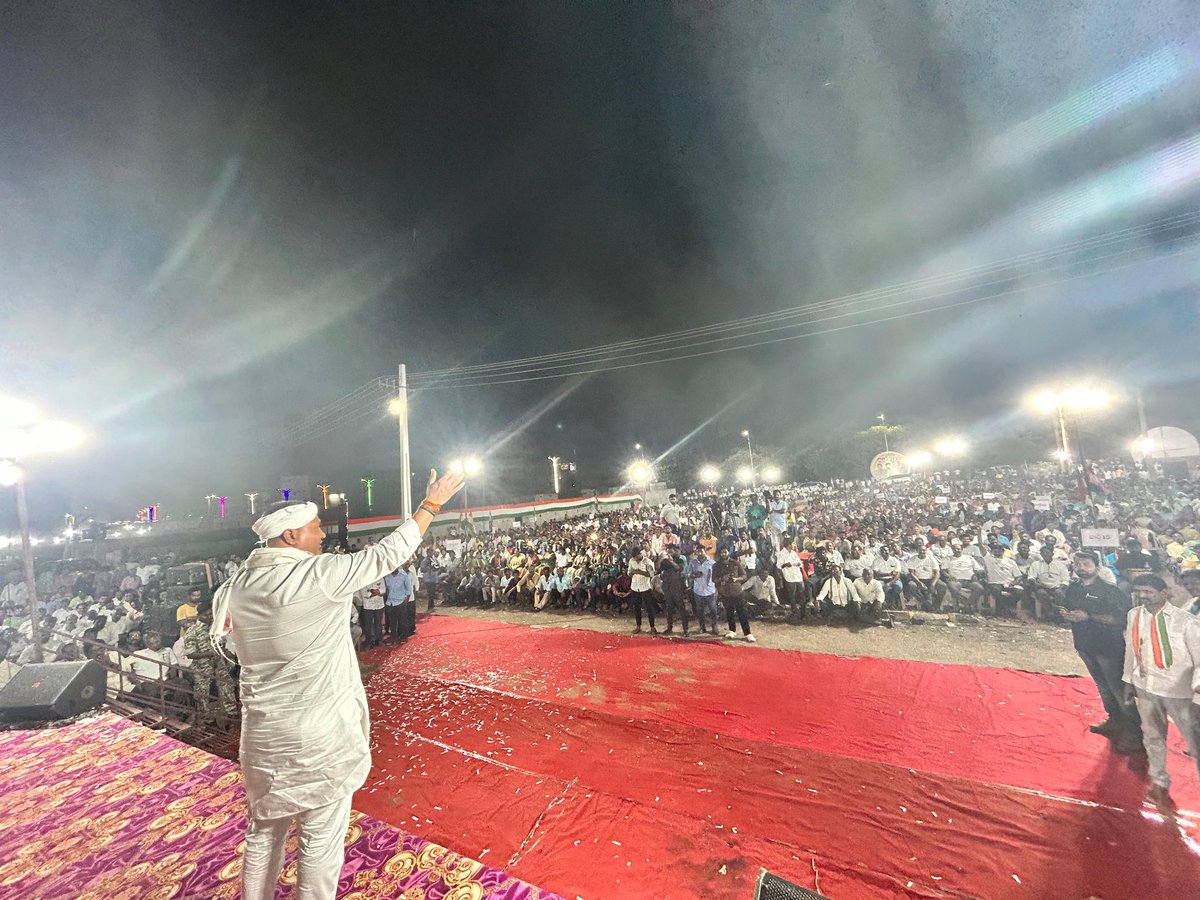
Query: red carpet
604	766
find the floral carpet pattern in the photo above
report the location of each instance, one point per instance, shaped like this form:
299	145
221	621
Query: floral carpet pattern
109	810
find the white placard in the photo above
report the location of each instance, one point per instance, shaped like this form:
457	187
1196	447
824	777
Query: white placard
1042	503
989	496
455	545
941	501
1100	537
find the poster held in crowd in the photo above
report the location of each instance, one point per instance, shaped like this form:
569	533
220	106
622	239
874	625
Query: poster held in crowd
1099	538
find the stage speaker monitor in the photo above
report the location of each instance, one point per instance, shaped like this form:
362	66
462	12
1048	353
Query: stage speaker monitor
772	887
57	690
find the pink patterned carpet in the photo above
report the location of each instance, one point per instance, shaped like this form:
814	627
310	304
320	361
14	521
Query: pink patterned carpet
108	809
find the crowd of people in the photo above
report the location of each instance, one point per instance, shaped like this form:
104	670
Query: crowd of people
152	637
1033	544
1002	542
976	543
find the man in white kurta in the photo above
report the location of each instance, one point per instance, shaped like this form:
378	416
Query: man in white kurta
305	728
1162	670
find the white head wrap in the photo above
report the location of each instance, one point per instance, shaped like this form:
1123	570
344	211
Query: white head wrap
273	524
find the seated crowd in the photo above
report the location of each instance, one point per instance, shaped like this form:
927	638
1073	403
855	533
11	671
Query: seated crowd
972	544
152	638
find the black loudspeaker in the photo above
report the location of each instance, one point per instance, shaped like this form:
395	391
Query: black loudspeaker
58	690
772	887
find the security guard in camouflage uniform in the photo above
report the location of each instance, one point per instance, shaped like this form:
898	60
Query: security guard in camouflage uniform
208	666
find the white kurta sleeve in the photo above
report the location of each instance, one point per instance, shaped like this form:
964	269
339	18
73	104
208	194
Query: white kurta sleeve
341	576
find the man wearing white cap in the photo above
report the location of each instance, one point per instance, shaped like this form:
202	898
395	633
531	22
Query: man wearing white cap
304	745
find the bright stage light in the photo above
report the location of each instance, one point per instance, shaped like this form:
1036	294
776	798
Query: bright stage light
710	474
14	442
468	465
918	459
745	474
1061	454
1081	397
54	437
771	473
14	412
1044	401
395	406
640	473
10	473
1077	397
951	446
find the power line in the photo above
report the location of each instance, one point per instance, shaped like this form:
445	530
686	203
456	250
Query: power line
879	321
619	362
370	399
643	346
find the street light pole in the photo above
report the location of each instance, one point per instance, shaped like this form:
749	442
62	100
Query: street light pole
1062	435
405	462
753	474
27	559
554	472
883	419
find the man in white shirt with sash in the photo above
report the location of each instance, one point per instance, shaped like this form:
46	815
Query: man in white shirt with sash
305	729
1162	669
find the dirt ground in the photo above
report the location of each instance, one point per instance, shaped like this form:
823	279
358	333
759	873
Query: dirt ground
927	638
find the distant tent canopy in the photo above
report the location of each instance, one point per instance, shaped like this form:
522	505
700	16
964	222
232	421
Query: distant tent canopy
1166	443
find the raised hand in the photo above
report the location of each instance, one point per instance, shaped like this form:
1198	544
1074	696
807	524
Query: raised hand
442	489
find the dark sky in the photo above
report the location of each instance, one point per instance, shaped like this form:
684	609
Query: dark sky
217	217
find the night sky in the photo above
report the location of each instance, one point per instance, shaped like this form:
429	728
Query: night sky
215	218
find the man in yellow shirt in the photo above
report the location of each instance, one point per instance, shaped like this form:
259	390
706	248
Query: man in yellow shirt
189	608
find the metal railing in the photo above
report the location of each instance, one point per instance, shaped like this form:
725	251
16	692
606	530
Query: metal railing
167	701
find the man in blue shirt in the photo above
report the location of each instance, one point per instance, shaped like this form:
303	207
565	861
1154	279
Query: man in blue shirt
400	604
431	576
704	589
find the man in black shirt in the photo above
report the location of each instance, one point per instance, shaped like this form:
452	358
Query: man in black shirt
729	576
1097	613
1134	561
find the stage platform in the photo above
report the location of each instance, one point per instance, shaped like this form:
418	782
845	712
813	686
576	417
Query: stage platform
606	766
109	810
